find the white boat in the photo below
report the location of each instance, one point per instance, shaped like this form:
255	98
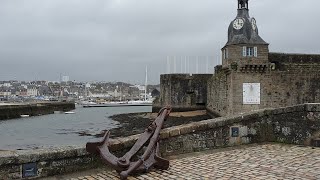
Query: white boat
87	102
24	115
140	102
69	112
120	104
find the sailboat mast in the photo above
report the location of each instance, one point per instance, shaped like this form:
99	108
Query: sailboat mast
145	85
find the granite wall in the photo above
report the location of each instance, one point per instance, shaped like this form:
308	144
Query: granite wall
288	79
183	92
293	125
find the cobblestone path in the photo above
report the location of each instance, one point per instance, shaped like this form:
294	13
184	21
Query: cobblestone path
269	161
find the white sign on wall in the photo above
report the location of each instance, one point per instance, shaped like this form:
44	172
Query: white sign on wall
251	93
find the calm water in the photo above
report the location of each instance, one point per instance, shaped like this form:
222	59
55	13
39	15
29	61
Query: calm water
58	129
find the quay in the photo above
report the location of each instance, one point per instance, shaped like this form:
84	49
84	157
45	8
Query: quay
15	110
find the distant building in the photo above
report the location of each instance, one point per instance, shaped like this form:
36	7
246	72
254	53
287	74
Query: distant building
5	91
32	91
155	93
21	92
65	78
141	90
7	84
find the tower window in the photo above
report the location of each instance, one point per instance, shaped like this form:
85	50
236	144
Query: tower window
225	53
250	51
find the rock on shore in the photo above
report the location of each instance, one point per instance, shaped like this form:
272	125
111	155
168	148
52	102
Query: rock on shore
136	123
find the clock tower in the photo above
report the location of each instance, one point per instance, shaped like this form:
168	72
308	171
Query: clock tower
245	48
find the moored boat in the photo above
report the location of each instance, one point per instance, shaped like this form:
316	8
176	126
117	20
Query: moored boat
69	112
120	104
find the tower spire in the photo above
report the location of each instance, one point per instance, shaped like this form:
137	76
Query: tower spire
243	4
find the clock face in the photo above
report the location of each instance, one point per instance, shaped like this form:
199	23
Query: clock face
254	24
238	23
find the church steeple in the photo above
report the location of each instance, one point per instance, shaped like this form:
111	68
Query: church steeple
243	4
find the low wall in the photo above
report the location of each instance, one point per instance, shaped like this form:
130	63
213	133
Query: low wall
293	125
34	109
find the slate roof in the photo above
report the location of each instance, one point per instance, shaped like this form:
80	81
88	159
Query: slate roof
245	35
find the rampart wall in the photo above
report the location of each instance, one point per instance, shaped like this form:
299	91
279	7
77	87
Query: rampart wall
293	125
290	79
34	109
183	92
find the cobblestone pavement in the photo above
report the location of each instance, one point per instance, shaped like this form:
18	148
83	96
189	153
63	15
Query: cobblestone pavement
269	161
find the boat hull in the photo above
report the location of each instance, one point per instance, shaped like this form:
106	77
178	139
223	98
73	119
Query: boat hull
115	105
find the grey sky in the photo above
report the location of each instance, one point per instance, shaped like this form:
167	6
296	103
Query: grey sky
113	40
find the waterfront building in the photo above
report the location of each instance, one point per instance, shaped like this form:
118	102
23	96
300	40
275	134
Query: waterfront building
32	91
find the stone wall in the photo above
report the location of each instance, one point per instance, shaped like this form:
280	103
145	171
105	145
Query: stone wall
218	92
34	109
235	55
183	92
298	125
287	80
293	125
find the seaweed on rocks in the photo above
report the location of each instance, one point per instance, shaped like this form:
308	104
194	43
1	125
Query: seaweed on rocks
136	123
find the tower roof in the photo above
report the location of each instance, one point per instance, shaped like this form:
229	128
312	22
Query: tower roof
243	29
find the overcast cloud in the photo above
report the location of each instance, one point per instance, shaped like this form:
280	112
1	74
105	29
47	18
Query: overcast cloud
113	40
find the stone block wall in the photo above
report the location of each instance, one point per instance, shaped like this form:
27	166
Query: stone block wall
288	80
34	109
183	92
235	55
298	125
218	92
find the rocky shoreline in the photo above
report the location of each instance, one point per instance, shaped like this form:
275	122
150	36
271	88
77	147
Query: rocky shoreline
136	123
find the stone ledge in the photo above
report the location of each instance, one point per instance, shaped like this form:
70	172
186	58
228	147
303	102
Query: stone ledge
314	107
26	156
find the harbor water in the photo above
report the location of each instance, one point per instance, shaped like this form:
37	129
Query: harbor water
59	129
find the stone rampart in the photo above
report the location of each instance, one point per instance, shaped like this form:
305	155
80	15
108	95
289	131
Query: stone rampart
183	92
293	125
294	58
34	109
288	80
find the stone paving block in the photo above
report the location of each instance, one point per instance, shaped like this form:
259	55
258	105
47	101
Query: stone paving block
269	161
174	132
185	129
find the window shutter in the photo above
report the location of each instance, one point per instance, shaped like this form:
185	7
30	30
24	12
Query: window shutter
255	52
244	53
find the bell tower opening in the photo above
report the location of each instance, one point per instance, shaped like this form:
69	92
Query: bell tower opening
243	4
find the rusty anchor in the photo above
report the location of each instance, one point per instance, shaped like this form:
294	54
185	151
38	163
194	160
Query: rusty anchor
150	158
